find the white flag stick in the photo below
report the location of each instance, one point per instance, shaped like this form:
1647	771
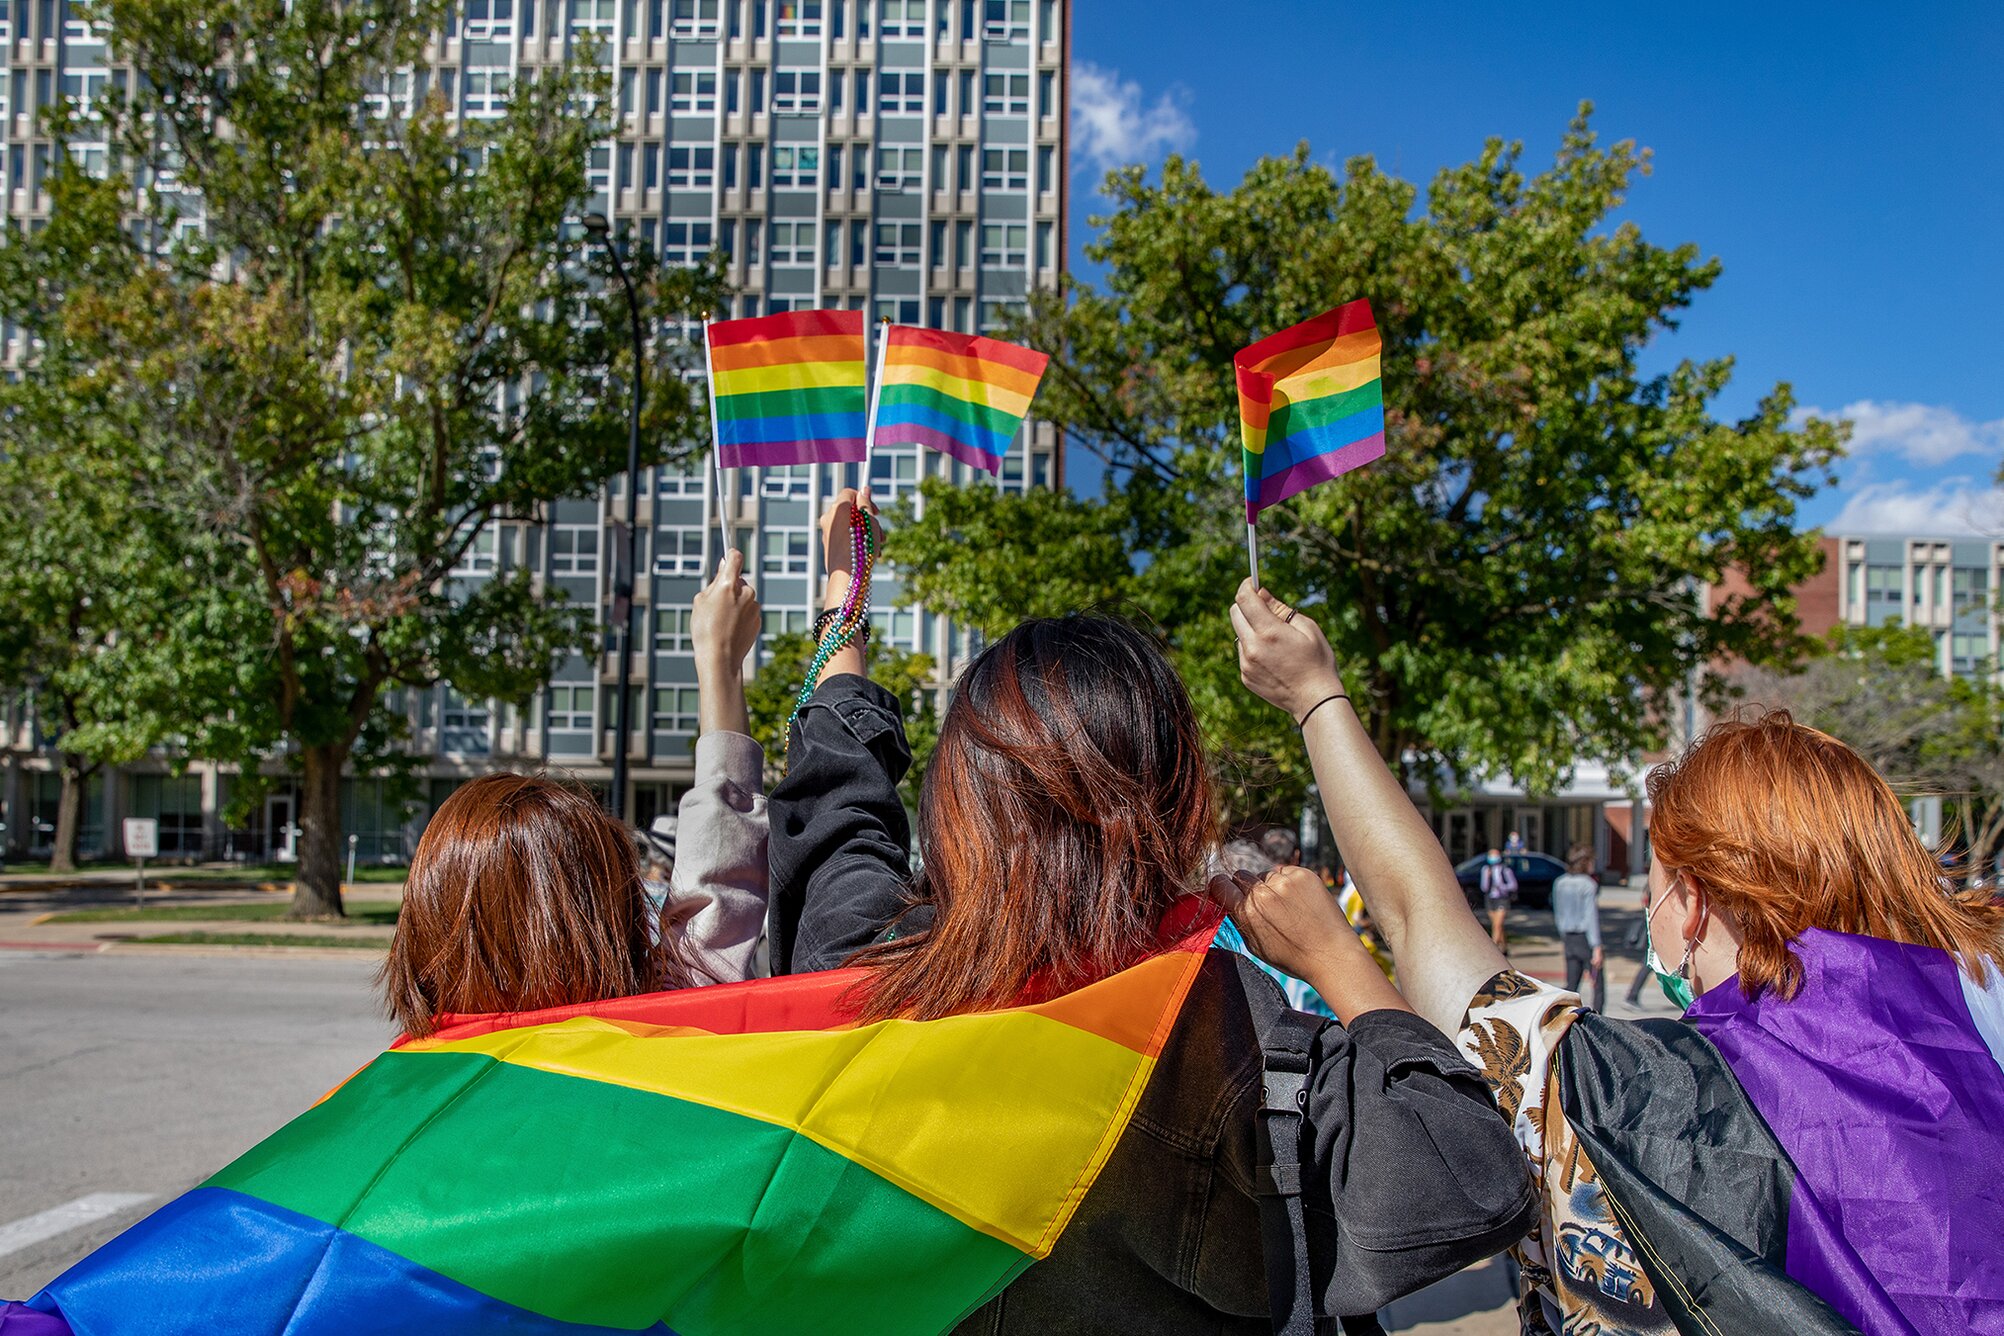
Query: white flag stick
716	443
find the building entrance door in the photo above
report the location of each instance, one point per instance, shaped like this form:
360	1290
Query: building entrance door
281	833
1462	836
1531	826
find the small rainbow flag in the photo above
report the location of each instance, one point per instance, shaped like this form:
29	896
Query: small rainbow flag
735	1159
961	394
1311	404
788	388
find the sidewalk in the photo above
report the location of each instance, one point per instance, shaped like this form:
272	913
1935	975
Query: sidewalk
27	904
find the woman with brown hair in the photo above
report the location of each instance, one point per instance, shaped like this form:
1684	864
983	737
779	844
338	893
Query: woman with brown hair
525	894
1813	1147
1066	808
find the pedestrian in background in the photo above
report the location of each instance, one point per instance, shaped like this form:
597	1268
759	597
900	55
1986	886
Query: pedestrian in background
1499	888
1514	844
1576	910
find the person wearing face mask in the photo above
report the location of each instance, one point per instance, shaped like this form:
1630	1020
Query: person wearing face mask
1812	1146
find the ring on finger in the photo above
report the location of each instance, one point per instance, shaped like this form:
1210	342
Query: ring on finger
1289	617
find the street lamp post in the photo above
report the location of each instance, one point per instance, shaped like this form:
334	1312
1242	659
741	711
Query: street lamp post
596	226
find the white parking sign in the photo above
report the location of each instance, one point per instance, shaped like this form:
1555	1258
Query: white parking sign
142	837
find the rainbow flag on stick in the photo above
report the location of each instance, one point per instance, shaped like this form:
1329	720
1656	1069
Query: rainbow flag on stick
960	394
737	1159
1311	404
788	388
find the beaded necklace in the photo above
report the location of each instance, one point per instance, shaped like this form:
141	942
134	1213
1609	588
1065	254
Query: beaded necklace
853	616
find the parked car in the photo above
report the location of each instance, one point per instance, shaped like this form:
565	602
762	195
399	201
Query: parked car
1535	875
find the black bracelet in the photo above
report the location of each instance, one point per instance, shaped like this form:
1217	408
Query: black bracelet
827	619
1318	705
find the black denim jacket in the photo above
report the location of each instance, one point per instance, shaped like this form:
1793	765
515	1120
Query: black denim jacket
1411	1172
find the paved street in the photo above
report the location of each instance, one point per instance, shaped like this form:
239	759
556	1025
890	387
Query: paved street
143	1074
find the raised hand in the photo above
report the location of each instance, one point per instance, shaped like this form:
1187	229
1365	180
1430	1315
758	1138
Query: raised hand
724	624
1284	658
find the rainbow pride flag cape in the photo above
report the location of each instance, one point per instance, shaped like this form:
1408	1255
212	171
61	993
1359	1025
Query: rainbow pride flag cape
788	388
1311	404
960	394
735	1159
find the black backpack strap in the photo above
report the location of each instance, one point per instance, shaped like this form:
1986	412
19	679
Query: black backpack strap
1286	1043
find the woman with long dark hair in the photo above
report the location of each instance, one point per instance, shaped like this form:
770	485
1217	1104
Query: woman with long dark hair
1066	808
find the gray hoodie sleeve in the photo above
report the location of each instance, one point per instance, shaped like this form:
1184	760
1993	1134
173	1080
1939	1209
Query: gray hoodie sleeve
717	894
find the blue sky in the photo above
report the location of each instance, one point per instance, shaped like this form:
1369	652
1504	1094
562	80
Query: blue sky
1845	161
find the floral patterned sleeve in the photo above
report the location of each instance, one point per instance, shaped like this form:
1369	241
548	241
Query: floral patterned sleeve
1578	1272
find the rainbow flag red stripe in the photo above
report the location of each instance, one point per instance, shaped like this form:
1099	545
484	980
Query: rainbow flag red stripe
960	394
1311	404
788	388
738	1159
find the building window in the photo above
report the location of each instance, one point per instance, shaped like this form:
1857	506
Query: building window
1005	168
784	621
859	243
862	92
799	18
486	92
792	243
1004	245
1047	20
482	554
798	166
1047	95
592	16
963	314
488	20
1972	587
967	92
838	18
755	166
903	18
574	549
796	90
685	243
901	92
1883	584
758	92
1006	20
678	549
679	477
675	710
900	168
897	244
898	310
692	166
1006	94
784	550
936	245
963	244
692	90
734	82
897	626
997	313
1047	169
463	725
693	18
671	631
570	709
789	479
892	473
1045	237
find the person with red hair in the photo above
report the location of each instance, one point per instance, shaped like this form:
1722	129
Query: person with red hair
1066	816
1813	1147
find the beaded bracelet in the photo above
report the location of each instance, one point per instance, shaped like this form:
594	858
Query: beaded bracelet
851	620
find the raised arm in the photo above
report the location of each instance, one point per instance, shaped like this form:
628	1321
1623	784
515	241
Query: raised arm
717	893
1400	869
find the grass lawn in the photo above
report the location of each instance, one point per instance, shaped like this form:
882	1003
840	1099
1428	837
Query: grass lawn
263	939
372	912
253	873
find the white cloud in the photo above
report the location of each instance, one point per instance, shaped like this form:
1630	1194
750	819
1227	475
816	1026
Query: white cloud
1925	434
1111	127
1954	507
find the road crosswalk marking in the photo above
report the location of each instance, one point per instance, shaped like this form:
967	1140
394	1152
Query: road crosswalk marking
33	1229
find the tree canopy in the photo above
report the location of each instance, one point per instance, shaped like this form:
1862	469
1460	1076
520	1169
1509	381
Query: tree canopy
330	335
1514	588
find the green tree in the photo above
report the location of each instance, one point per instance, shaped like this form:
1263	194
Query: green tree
382	338
770	694
1514	587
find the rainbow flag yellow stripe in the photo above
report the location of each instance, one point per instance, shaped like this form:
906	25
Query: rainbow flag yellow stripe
717	1160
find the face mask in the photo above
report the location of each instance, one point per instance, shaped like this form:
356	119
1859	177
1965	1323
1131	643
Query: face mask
1676	986
1494	859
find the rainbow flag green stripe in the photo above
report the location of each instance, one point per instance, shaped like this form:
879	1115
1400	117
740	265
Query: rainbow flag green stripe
999	422
740	1159
786	404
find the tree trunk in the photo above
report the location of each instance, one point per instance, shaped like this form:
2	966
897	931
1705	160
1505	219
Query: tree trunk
69	813
317	892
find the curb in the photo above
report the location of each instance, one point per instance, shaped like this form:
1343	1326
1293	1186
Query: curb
218	949
91	947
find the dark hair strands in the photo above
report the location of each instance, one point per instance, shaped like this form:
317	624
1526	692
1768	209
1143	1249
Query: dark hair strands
1066	807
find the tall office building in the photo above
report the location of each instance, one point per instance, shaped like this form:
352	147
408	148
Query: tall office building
902	157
